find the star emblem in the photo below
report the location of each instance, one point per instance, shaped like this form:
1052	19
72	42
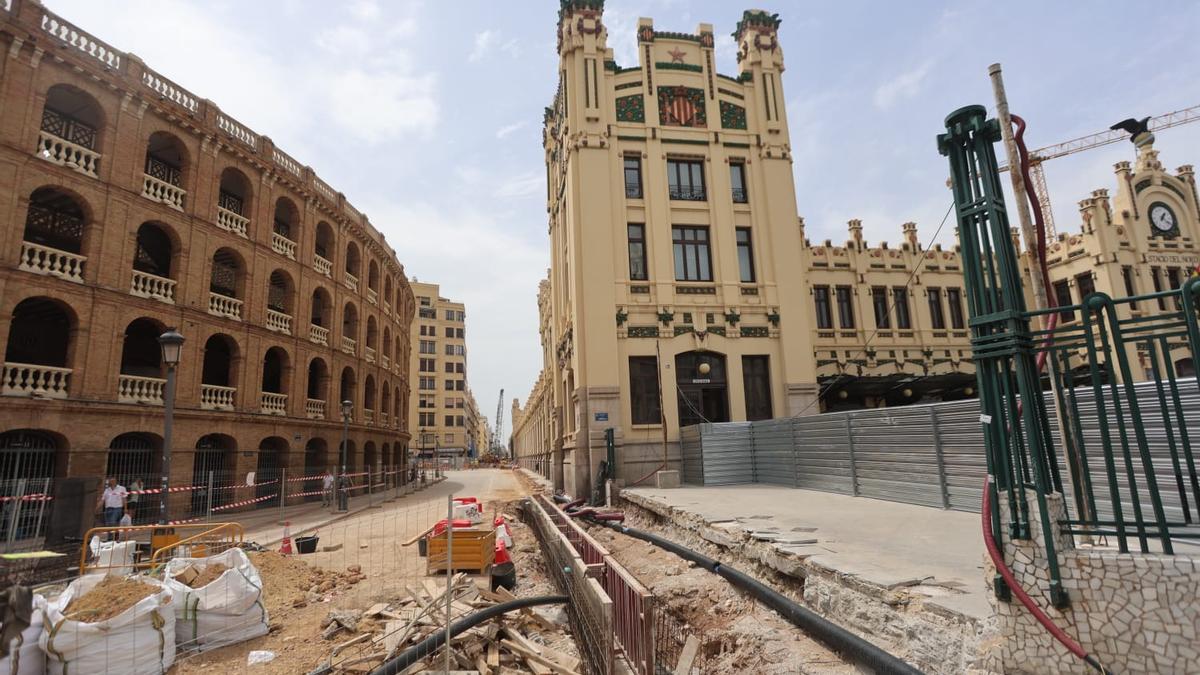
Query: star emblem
677	55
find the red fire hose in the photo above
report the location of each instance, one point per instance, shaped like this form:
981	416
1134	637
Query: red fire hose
992	548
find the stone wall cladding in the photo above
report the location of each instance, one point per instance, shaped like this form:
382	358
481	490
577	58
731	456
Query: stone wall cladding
1134	612
933	638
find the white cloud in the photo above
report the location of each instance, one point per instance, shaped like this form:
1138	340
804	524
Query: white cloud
510	128
903	86
522	185
379	107
484	40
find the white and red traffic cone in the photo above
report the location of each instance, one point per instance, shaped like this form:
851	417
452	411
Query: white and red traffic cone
285	548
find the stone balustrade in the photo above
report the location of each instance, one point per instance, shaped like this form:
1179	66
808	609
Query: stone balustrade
384	361
65	153
368	416
162	191
283	246
144	390
273	403
223	305
232	222
349	345
146	285
372	296
351	282
322	266
383	418
318	334
45	260
369	354
279	322
314	409
215	397
27	379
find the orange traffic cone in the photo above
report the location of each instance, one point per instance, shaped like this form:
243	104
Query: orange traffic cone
502	555
285	548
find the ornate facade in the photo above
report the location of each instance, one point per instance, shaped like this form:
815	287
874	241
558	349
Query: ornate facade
134	205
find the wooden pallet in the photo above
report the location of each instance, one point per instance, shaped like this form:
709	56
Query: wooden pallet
474	551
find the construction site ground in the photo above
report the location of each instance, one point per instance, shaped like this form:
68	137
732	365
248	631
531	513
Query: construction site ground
360	562
909	578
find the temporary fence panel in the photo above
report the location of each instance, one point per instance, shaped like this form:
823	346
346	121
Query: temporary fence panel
895	457
823	454
691	455
726	453
773	456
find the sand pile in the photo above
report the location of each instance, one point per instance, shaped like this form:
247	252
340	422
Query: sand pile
208	575
109	598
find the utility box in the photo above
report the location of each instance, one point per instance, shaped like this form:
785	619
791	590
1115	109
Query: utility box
666	479
474	551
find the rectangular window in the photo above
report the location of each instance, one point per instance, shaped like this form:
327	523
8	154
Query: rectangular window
693	261
427	383
937	318
449	421
428	313
954	300
1173	281
460	385
427	419
1156	276
745	251
900	302
449	332
633	177
643	390
1062	298
685	179
1130	290
428	365
880	303
821	302
449	367
845	305
428	347
1086	285
449	315
637	252
449	401
458	420
460	368
459	333
737	181
449	385
756	380
424	401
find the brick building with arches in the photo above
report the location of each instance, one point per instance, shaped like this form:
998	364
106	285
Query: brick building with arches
130	206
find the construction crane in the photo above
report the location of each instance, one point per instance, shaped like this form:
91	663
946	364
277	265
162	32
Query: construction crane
498	432
1036	157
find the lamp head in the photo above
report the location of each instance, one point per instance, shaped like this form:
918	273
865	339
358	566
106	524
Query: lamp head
171	343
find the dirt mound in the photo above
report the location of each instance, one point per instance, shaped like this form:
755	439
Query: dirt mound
109	598
208	575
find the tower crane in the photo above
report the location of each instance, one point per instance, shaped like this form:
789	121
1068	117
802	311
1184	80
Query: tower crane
1037	157
498	432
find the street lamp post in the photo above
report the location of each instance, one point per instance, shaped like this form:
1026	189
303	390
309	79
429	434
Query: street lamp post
343	496
171	343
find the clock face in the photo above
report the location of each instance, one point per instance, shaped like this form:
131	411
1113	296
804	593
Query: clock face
1163	218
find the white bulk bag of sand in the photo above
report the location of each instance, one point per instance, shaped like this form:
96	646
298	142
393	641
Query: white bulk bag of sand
227	610
139	640
25	656
112	557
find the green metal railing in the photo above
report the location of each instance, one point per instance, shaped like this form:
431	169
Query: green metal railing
1098	348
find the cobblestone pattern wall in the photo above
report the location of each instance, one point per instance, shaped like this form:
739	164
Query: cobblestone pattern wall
1134	612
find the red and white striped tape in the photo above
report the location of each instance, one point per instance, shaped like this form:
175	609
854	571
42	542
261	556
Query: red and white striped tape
185	522
39	497
155	491
245	502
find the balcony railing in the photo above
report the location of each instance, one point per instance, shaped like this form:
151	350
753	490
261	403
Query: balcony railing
146	285
739	195
372	296
687	193
232	222
633	191
368	416
279	322
349	345
383	418
26	379
223	305
215	397
162	191
370	354
283	246
144	390
45	260
65	153
385	361
322	265
318	334
274	404
314	409
351	282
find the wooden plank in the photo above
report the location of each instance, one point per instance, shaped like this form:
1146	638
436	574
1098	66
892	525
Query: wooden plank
375	609
687	656
534	657
350	643
417	538
391	635
493	653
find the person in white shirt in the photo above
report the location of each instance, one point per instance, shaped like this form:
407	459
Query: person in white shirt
135	499
113	502
327	489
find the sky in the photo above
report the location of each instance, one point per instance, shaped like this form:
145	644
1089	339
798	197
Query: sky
427	115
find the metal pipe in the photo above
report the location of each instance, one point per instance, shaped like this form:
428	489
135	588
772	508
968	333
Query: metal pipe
168	430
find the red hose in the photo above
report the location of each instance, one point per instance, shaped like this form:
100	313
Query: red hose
986	511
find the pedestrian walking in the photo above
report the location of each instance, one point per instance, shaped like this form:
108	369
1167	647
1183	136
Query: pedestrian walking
327	489
135	498
112	501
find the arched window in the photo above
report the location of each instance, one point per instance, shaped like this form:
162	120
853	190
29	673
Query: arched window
29	454
373	279
398	409
233	202
225	284
348	382
135	460
372	337
323	248
369	393
316	463
152	264
38	351
350	329
385	402
213	463
165	173
317	389
217	374
280	299
387	291
141	379
54	230
70	132
274	382
272	456
286	228
320	307
369	456
386	350
353	265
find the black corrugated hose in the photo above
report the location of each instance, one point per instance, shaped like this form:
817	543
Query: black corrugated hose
849	645
430	644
